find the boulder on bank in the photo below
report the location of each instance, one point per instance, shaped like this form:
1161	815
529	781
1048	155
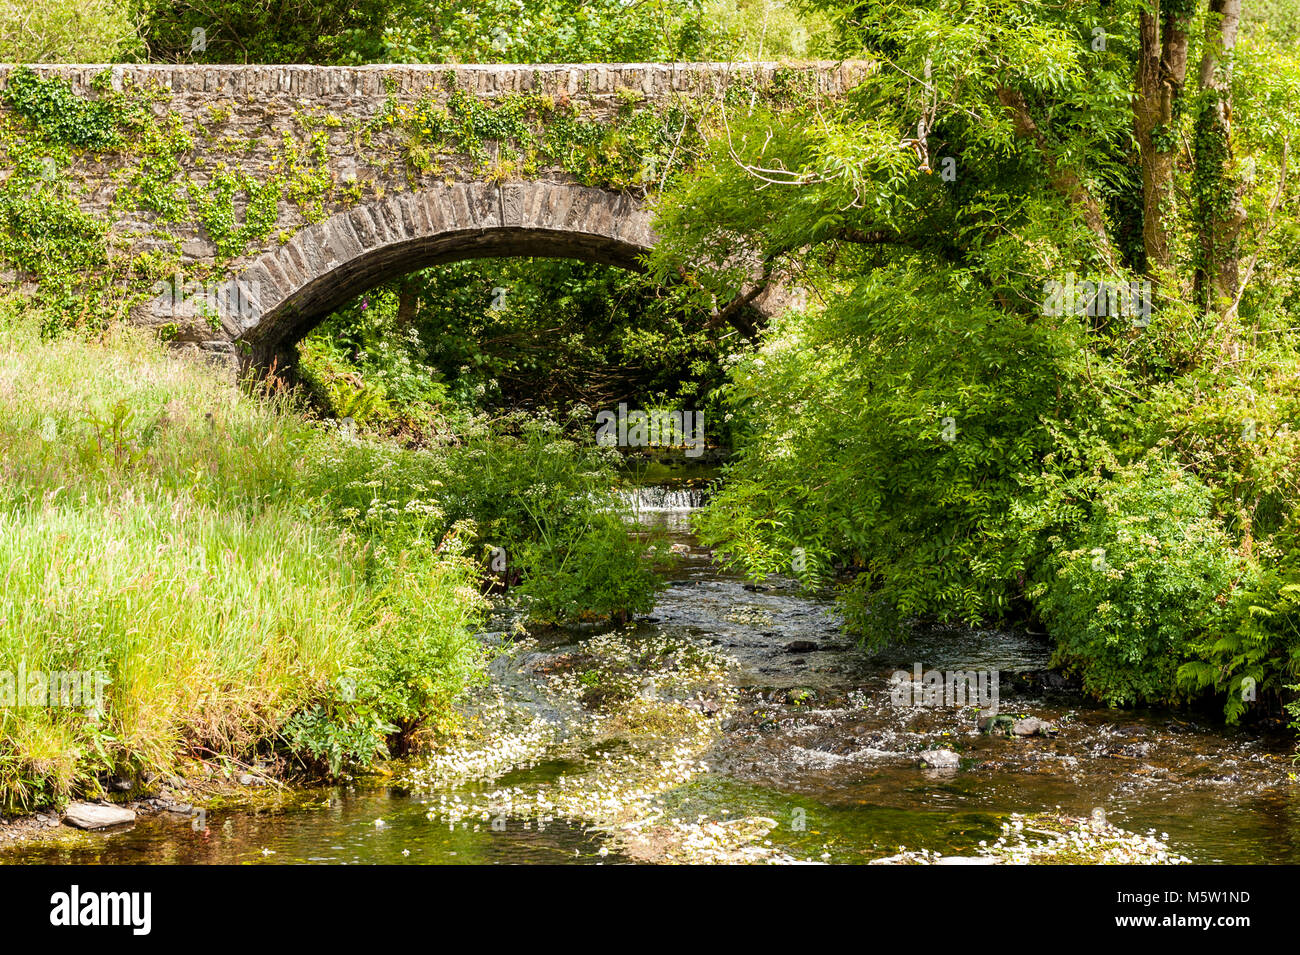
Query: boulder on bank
89	815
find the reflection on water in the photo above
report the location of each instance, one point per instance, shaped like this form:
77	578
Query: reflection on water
347	827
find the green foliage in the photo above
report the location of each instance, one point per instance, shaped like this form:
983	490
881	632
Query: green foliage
113	443
60	116
156	184
1130	594
548	503
1254	655
358	365
550	31
48	131
216	210
66	31
1278	20
338	734
44	232
41	232
418	653
263	31
585	571
479	31
304	169
494	334
888	436
1239	433
922	433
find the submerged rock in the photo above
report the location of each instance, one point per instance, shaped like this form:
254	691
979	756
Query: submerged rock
1132	750
1009	726
995	725
940	759
89	815
1032	726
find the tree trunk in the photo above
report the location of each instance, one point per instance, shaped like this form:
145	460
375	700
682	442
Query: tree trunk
408	301
1162	70
1220	214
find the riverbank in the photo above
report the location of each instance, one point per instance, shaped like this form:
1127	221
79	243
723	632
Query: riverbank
189	796
184	578
735	724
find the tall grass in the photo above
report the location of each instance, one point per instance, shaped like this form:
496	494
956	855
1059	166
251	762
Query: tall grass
161	527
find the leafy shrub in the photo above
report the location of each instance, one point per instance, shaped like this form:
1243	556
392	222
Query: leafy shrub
515	487
329	736
419	653
548	503
262	31
548	31
888	437
1129	596
1240	435
65	31
359	366
586	571
478	31
1255	653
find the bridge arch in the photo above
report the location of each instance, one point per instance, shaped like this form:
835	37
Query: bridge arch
284	293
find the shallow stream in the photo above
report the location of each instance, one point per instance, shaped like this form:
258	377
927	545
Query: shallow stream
807	736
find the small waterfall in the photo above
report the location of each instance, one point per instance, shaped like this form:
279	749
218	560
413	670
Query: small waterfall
658	498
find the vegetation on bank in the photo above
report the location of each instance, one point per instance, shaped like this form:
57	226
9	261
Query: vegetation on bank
254	584
929	434
946	430
179	537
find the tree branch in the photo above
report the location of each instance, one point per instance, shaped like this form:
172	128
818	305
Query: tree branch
1064	179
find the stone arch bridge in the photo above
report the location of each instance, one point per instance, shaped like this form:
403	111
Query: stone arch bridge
240	205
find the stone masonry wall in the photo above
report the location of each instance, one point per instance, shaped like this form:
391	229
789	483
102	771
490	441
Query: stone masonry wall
335	140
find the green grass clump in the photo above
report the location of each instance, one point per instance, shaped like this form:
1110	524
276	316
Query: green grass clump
162	528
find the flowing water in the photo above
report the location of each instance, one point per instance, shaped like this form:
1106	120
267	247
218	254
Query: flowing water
813	741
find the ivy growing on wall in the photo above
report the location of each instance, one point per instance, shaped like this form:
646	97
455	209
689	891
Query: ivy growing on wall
60	115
